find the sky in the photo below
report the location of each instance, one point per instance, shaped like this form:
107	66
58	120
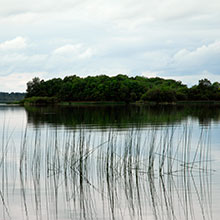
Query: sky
164	38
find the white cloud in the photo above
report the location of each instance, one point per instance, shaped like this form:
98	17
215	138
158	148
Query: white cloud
16	82
87	53
203	52
193	79
123	14
74	51
156	37
68	49
16	44
22	6
201	58
21	62
150	74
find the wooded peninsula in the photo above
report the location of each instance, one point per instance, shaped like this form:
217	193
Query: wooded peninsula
120	88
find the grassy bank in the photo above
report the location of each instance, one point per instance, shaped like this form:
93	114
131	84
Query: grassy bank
39	101
44	101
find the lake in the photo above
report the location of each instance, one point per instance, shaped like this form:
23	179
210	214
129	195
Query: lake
110	162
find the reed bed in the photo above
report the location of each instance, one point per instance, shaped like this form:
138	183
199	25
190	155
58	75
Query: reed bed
156	173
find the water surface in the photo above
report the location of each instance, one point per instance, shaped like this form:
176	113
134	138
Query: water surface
110	162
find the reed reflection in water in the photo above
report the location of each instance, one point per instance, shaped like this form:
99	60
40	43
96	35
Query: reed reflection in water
154	173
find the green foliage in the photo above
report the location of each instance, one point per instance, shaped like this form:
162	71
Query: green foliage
160	95
39	100
205	91
121	88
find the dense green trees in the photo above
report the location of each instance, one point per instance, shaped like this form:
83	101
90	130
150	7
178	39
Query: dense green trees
205	90
121	88
160	95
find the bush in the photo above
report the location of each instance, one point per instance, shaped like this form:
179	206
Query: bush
159	95
39	101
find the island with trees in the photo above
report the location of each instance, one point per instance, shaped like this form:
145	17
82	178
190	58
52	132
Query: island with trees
120	88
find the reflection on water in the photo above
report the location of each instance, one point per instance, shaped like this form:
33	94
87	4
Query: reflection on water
52	168
121	115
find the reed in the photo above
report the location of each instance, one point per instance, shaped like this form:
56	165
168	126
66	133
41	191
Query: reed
112	174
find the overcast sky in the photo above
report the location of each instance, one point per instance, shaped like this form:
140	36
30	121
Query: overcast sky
53	38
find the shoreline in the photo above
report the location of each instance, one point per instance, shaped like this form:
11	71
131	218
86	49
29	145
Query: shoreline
90	103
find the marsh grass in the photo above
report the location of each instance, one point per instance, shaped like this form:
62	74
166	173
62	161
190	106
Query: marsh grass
110	174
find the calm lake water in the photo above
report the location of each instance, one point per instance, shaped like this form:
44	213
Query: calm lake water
110	162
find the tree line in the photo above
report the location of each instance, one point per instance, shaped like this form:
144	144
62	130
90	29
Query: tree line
121	88
6	97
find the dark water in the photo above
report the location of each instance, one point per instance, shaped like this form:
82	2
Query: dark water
110	162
